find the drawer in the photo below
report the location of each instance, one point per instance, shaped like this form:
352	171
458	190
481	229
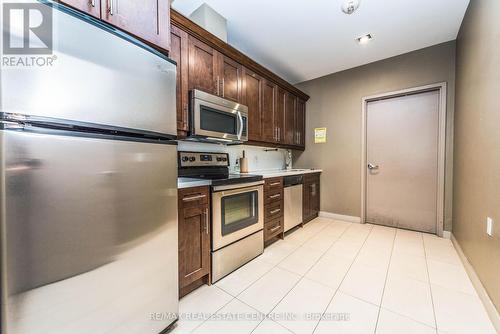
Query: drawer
193	197
273	195
274	183
273	228
273	211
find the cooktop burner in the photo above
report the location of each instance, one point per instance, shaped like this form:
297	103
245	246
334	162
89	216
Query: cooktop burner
211	166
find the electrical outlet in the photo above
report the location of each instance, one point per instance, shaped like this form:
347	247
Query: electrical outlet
489	226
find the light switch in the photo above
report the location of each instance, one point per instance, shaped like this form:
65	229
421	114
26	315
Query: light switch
489	226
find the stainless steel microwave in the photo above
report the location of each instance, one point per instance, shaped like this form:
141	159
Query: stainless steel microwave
216	119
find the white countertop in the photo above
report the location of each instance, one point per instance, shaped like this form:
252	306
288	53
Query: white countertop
277	173
187	182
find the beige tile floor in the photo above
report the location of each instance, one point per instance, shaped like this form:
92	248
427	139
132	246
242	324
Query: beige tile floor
338	277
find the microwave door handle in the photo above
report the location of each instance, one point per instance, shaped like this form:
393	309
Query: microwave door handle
240	132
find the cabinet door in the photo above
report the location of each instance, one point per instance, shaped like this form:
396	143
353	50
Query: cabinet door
306	200
269	93
92	7
289	133
280	115
315	198
146	19
194	235
231	79
300	119
252	93
202	67
179	53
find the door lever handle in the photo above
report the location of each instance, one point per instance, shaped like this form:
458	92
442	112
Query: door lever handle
373	167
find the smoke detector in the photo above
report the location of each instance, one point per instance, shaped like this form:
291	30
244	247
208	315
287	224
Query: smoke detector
350	6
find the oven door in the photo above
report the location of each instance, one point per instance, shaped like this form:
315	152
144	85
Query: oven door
236	213
212	120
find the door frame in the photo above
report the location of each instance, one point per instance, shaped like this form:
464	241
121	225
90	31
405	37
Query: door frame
441	87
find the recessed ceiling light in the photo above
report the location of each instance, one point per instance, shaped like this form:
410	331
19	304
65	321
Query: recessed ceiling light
364	39
350	6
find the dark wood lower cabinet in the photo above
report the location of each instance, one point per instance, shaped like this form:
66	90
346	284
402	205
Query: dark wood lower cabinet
194	238
311	197
274	227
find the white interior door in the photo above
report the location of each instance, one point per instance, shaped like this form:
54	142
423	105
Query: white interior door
402	161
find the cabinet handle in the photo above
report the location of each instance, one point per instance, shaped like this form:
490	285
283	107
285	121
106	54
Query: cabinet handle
275	228
206	220
275	196
279	134
193	198
111	8
223	94
275	184
218	86
92	3
275	211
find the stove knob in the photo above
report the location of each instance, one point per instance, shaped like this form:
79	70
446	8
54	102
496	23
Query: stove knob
224	159
192	159
185	159
219	159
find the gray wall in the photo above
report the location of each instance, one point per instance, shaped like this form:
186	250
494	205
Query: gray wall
477	142
336	104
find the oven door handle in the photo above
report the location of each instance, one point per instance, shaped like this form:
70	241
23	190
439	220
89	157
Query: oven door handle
240	130
242	187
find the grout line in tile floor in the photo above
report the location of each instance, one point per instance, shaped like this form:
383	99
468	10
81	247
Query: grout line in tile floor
299	243
430	286
343	278
274	266
298	281
385	282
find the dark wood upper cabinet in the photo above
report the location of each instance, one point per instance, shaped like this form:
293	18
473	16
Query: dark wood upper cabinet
290	108
300	121
269	94
146	19
203	67
252	98
276	108
92	7
230	79
194	237
279	120
179	53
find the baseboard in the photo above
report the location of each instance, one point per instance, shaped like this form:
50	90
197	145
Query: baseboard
447	235
350	219
476	282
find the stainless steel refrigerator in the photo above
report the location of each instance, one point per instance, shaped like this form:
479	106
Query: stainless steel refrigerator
88	182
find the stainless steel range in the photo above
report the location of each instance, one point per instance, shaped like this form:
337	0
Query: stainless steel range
237	210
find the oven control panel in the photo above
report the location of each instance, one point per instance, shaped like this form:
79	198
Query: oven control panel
202	159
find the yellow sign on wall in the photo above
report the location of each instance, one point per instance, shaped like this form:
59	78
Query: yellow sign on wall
319	135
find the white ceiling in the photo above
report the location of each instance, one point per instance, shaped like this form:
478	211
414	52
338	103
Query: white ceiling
305	39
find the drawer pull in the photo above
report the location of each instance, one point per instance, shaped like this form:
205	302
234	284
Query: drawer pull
275	196
275	184
275	228
193	198
275	211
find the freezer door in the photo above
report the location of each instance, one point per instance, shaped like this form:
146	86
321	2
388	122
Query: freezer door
97	77
89	233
